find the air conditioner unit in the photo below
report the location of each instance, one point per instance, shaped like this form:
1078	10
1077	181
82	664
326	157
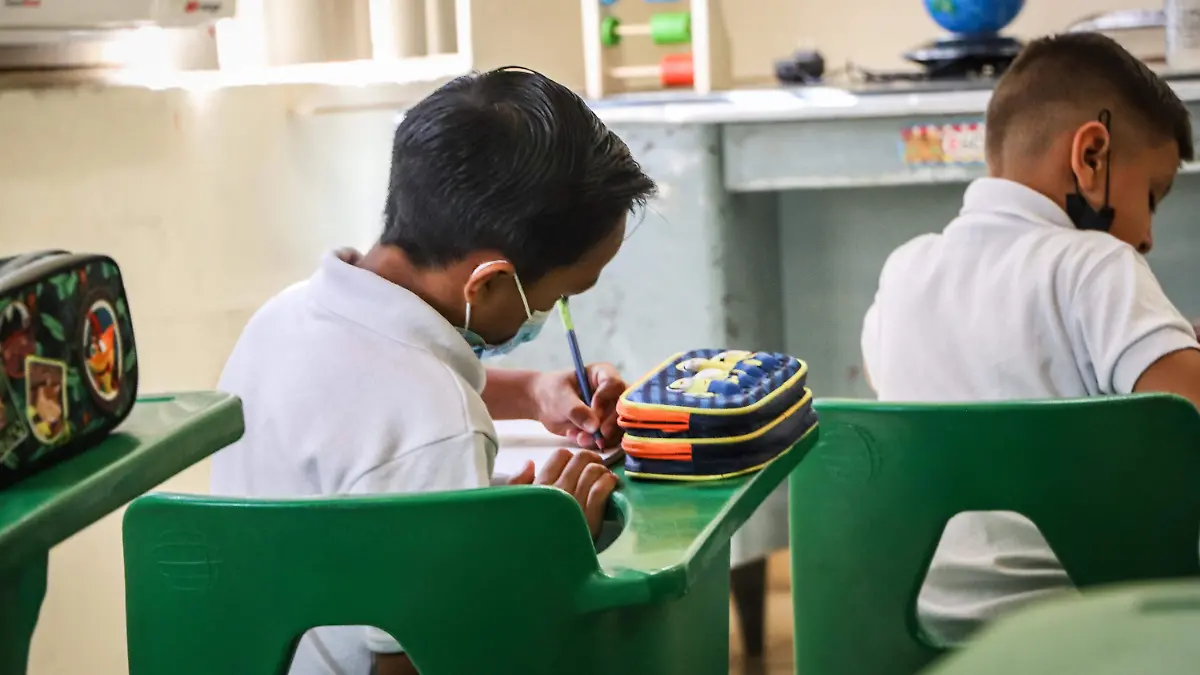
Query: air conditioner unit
57	34
91	15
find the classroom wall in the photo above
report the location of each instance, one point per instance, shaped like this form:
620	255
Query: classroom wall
213	202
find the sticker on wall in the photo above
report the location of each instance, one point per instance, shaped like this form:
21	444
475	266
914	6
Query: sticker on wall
102	350
46	399
16	338
958	144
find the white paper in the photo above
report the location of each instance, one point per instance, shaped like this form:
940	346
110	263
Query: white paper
524	440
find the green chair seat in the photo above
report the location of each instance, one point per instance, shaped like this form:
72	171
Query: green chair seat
1112	483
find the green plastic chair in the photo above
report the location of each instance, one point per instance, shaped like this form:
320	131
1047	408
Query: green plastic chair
1112	483
502	580
1144	628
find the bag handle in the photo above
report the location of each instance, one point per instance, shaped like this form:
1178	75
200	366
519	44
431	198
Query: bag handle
13	263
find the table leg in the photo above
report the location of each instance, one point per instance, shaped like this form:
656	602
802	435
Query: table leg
749	585
21	592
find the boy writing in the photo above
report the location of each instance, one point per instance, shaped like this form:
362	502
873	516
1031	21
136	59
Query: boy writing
1038	289
506	193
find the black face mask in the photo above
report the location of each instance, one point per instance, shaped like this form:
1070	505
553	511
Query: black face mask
1078	209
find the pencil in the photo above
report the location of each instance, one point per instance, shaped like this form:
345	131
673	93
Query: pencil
585	389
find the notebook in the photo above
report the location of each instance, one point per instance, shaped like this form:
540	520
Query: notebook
523	440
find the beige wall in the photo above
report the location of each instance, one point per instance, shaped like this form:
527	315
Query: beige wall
212	202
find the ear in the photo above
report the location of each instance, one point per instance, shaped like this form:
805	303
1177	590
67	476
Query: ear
479	284
1089	156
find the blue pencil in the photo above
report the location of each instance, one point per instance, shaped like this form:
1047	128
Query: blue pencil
585	388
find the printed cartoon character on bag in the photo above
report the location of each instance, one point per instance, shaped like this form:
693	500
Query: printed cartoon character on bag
12	429
102	347
16	338
46	399
727	373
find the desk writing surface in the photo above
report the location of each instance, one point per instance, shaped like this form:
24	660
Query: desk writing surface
162	436
672	530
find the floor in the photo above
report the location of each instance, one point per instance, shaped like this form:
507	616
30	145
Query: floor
778	657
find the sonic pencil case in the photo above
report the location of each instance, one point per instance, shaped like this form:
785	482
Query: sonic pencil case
68	363
711	413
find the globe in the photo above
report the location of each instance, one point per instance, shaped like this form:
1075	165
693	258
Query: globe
973	17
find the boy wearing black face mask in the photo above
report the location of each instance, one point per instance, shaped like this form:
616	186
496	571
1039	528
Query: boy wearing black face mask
506	193
1038	289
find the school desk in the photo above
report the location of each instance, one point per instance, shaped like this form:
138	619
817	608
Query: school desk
523	440
686	511
162	436
499	580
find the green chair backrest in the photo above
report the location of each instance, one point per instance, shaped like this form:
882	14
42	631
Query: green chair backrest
1112	483
229	586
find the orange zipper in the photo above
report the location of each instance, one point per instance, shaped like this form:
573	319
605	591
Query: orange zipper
670	451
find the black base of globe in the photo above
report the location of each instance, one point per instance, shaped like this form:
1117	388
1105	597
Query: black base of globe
965	56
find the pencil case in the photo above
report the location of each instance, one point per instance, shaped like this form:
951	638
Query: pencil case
712	413
69	363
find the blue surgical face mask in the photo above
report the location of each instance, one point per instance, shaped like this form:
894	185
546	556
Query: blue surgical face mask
526	333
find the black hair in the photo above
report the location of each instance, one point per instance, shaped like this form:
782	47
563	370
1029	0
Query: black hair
507	160
1083	73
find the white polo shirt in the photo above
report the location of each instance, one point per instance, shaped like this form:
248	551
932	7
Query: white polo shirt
353	385
1010	301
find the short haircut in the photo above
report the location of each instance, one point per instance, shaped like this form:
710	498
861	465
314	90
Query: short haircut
512	161
1067	79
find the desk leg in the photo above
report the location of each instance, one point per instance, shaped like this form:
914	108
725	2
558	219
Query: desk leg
749	583
21	594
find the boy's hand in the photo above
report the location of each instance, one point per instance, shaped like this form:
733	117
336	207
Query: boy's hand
581	475
562	411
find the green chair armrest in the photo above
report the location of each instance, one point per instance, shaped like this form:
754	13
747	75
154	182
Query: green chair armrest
672	531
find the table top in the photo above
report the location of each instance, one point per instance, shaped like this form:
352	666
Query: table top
162	436
672	530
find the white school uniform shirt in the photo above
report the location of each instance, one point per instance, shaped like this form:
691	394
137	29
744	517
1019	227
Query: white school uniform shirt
1010	301
353	385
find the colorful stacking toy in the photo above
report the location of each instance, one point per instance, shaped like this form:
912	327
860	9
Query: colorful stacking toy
704	68
668	28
